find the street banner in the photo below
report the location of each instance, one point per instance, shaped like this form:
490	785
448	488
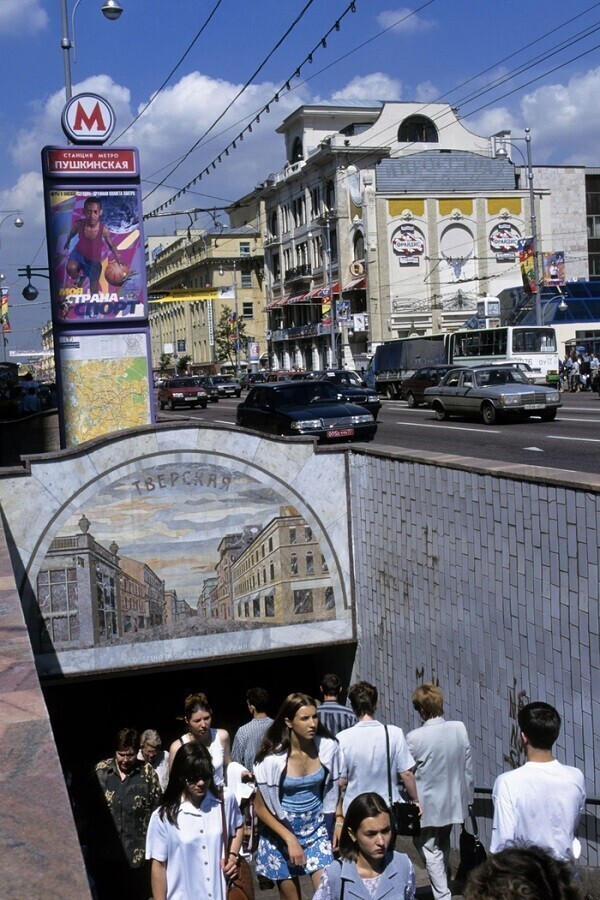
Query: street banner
326	311
553	267
527	265
4	323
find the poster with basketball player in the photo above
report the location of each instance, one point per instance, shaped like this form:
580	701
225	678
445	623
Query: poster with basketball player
97	254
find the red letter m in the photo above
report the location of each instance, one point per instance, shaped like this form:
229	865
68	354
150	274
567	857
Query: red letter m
82	118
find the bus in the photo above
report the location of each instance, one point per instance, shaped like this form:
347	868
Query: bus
536	346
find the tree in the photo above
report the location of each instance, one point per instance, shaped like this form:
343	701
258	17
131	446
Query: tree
183	362
226	333
165	363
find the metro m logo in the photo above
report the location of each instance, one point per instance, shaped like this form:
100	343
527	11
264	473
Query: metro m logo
88	119
94	119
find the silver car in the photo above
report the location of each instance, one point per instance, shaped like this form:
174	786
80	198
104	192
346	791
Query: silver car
492	393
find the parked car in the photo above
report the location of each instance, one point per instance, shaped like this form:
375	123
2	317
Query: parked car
492	392
282	375
305	407
183	391
351	386
209	386
412	387
227	385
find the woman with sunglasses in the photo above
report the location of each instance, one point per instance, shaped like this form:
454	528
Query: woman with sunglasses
368	867
190	858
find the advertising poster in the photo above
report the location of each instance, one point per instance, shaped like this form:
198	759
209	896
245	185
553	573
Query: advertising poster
96	253
553	267
105	379
527	264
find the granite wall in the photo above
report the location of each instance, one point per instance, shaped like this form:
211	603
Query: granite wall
486	580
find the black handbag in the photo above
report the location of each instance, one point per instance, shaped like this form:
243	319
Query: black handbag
472	851
405	816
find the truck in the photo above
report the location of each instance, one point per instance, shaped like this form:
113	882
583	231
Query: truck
393	359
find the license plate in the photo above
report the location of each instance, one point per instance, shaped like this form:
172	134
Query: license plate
190	399
534	406
340	432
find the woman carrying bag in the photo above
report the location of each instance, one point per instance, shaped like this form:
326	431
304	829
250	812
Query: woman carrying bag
368	868
186	833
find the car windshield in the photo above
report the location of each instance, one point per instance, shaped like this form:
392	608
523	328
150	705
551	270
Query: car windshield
492	377
301	394
223	379
183	382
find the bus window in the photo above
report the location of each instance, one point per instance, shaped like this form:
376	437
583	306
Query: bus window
538	340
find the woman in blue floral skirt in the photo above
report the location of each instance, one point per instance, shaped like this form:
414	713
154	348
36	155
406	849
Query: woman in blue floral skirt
297	775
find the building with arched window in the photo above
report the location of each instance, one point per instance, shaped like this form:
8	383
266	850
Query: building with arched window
404	218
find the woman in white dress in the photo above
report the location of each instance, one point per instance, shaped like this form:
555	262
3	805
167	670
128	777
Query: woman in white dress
368	868
190	859
198	719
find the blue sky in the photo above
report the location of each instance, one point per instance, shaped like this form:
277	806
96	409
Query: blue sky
505	65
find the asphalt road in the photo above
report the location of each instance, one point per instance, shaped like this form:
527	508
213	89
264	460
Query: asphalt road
570	443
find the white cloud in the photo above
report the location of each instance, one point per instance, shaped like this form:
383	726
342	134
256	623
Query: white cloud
426	92
375	86
404	21
22	16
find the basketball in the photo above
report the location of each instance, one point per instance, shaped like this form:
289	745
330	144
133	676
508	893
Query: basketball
116	274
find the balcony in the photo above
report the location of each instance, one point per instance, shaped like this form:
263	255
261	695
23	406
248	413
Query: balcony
313	329
303	271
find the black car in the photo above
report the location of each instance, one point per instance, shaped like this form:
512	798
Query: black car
351	386
314	408
209	386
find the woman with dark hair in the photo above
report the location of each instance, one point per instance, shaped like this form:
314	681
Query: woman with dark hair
190	858
297	775
520	872
197	715
367	867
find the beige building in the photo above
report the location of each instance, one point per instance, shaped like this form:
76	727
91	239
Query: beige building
192	277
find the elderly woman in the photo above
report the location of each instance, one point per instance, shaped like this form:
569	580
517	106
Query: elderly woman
195	835
152	753
198	719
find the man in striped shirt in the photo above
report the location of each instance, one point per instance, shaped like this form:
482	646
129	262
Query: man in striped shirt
249	737
334	716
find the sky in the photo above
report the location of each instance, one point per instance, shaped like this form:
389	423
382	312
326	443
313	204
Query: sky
177	67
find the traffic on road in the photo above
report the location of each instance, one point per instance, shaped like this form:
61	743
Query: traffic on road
570	443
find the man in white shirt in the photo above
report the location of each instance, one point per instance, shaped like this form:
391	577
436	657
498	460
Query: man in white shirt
364	753
444	778
541	802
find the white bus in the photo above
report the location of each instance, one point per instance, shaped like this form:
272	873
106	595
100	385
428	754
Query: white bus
531	344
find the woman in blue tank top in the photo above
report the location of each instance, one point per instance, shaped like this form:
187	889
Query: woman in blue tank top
297	775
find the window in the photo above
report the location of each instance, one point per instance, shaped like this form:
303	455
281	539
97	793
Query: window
256	607
310	564
315	202
273	230
329	599
330	195
276	267
244	248
303	602
417	129
272	572
308	535
296	151
246	280
293	536
294	564
270	606
248	313
106	604
324	566
58	603
270	545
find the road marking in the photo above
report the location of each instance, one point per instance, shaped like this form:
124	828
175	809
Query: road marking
566	419
222	422
452	427
553	437
534	449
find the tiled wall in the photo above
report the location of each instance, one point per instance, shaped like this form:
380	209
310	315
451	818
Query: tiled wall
490	585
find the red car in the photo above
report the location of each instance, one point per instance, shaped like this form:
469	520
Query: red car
182	392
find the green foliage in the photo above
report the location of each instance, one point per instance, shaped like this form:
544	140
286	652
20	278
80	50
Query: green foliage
225	337
183	362
165	363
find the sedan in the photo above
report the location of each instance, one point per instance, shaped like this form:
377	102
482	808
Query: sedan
182	392
305	407
414	384
227	386
351	386
492	393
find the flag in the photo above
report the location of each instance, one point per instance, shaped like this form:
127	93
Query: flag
553	267
4	323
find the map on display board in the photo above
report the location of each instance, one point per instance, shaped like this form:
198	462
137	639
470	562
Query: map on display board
106	383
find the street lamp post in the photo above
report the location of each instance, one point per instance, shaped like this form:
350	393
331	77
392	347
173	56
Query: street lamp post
324	224
503	152
18	223
235	312
111	9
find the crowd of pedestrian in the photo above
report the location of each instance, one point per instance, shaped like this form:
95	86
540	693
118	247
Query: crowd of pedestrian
579	372
321	780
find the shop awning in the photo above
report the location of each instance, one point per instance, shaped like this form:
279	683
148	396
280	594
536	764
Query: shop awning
358	284
299	298
279	301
